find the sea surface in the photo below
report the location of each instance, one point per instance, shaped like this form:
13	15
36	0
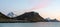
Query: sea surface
38	24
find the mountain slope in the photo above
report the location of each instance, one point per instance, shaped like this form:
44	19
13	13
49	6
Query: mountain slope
31	16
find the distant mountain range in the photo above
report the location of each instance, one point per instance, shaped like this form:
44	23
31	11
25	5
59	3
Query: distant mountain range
28	17
52	20
11	14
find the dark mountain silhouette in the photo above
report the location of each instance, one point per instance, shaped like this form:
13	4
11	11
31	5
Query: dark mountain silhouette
26	17
3	16
31	16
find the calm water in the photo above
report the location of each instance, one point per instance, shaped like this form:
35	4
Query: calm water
39	24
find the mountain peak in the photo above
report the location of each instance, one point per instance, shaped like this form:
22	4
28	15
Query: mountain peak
30	16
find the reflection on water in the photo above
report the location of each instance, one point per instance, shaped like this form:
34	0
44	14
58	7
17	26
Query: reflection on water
39	24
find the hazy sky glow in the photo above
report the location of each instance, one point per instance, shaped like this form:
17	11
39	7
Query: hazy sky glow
21	6
46	8
52	11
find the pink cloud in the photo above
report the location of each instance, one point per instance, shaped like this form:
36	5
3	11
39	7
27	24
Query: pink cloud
43	4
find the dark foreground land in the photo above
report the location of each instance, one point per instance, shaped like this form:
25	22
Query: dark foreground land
26	17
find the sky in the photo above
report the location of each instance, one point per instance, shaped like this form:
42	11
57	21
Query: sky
45	8
17	6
